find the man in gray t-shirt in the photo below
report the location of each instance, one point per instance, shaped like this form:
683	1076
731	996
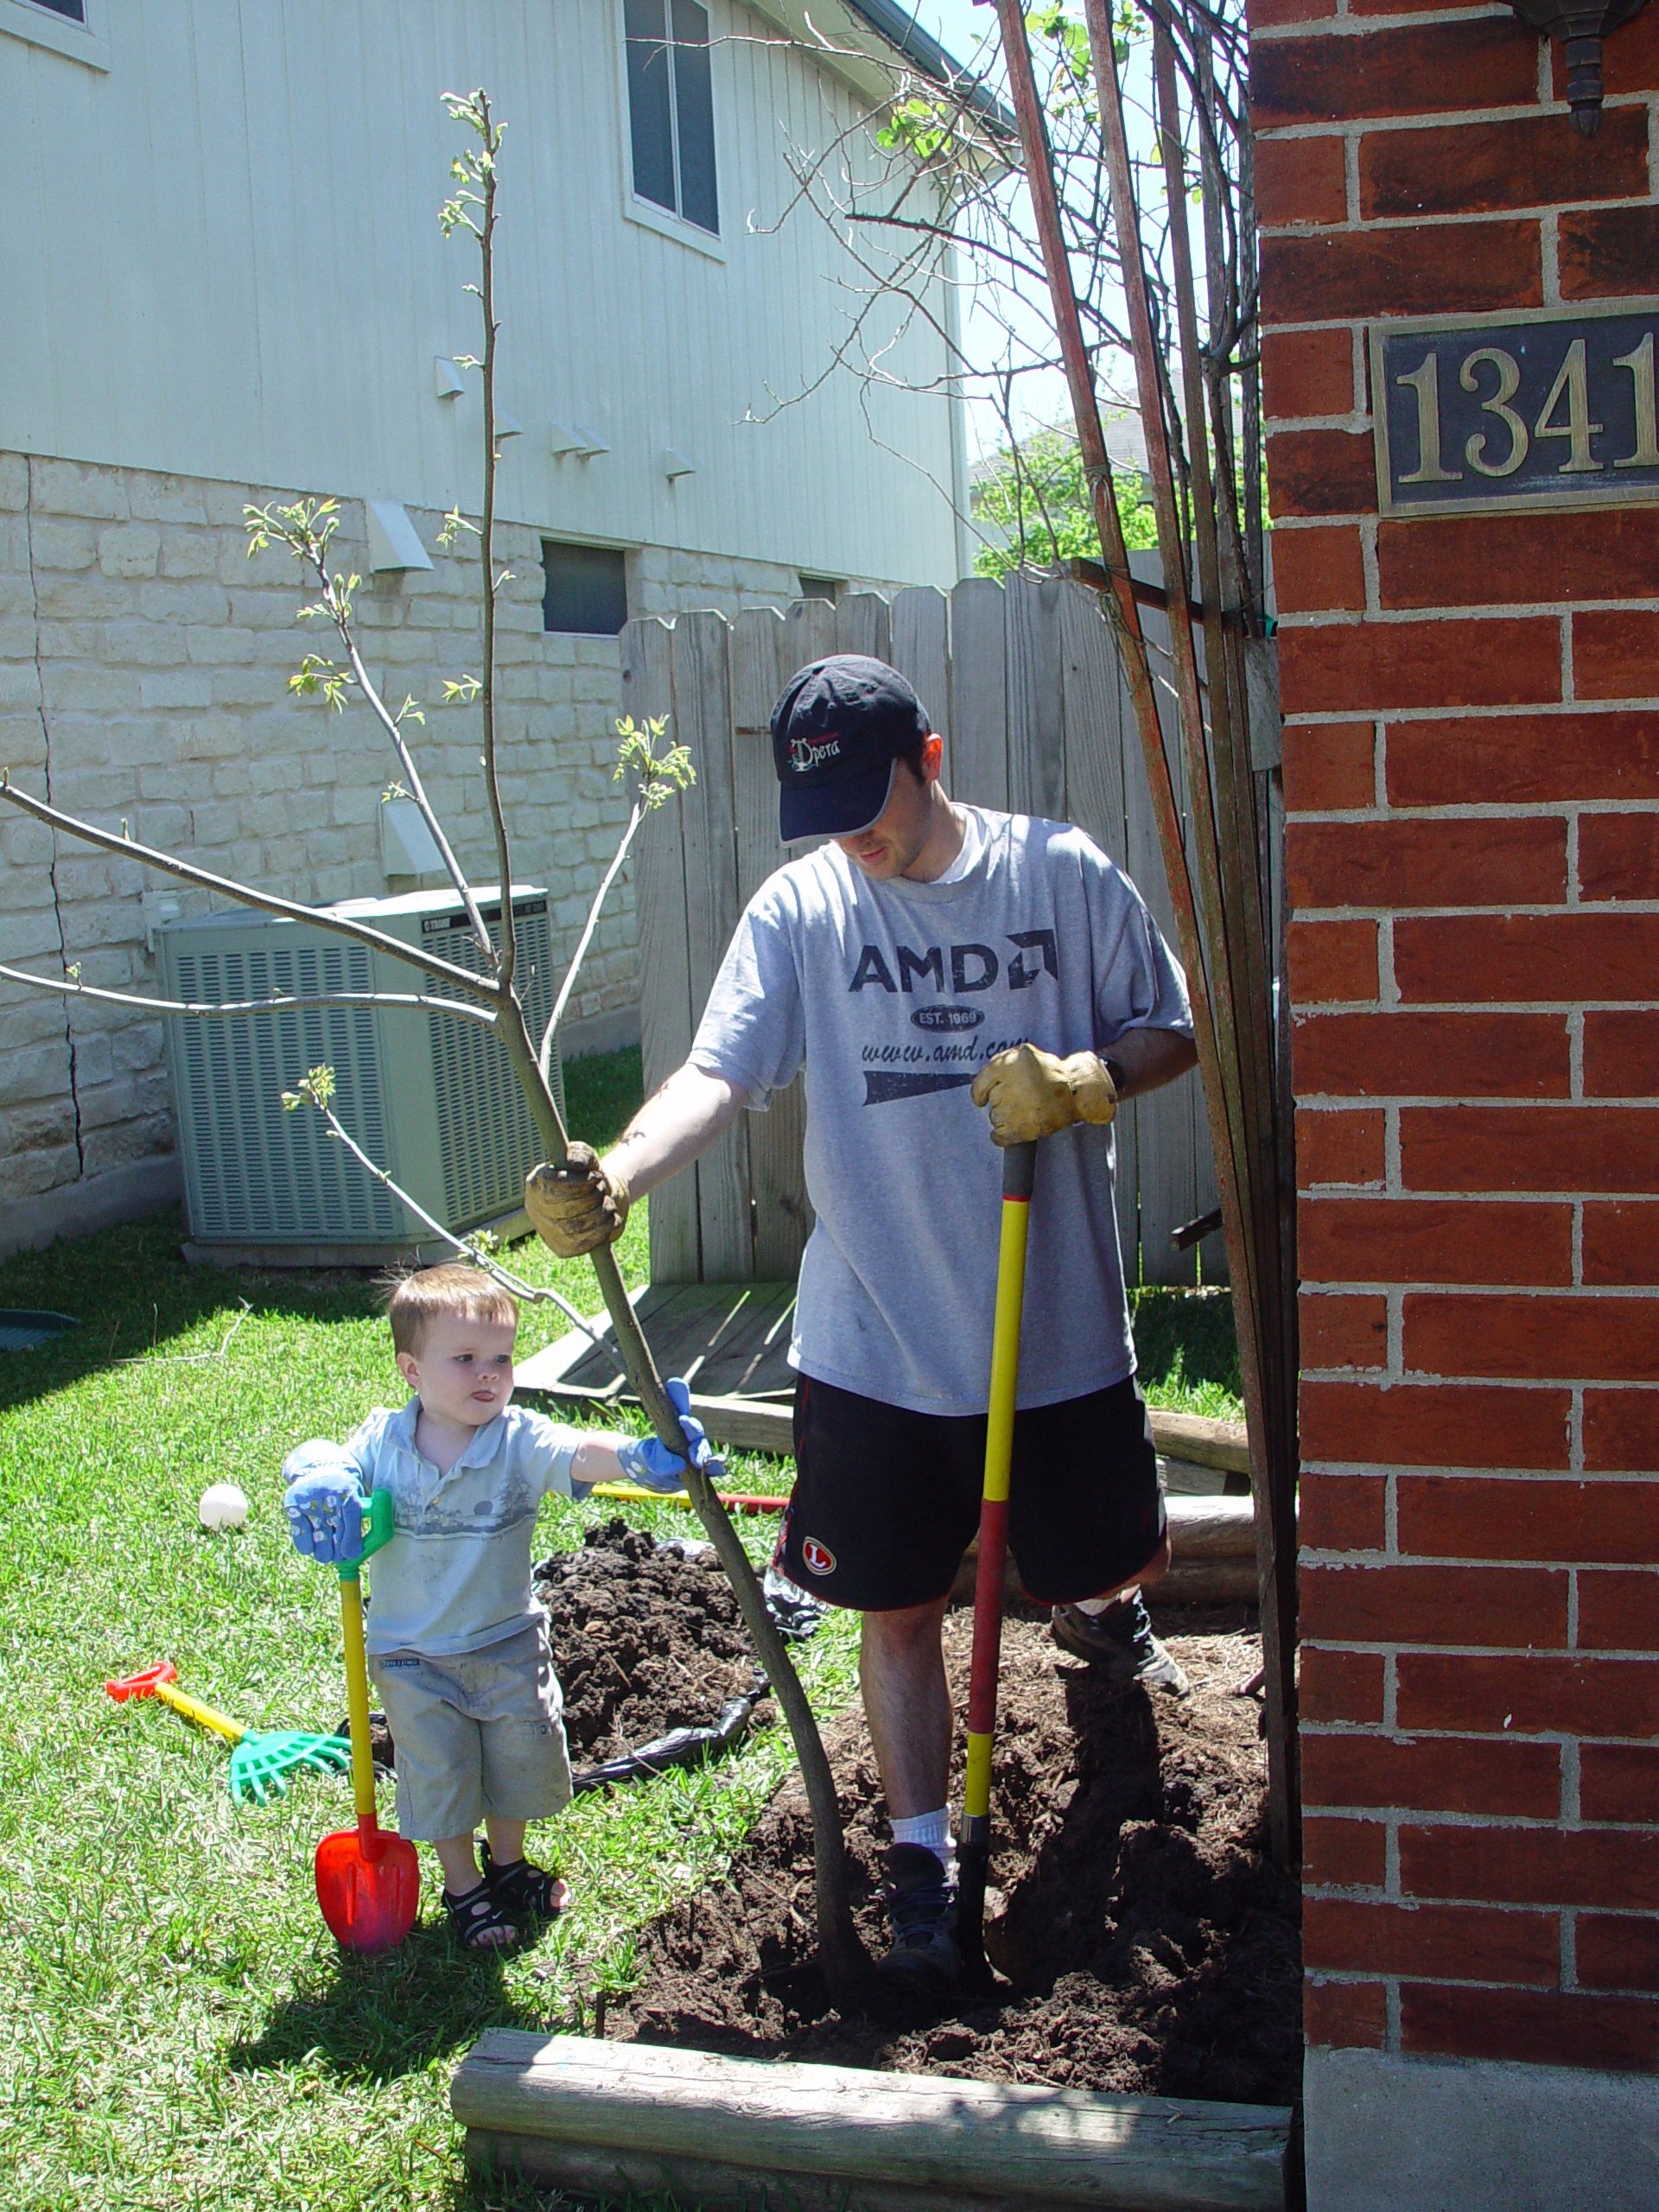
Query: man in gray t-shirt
928	962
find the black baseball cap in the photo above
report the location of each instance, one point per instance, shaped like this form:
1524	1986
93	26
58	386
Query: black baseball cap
836	732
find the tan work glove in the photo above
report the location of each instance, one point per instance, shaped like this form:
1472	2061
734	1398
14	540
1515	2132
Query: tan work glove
1032	1093
579	1206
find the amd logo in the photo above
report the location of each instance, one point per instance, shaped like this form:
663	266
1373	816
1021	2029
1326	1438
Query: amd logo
973	967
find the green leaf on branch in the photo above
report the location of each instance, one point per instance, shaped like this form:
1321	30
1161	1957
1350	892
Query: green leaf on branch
317	678
315	1088
658	776
923	125
461	691
454	523
305	528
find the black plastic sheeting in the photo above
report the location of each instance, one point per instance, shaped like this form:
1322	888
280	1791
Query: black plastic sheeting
680	1747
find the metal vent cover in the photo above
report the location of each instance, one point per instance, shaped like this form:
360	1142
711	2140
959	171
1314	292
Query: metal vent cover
257	1173
486	1140
434	1102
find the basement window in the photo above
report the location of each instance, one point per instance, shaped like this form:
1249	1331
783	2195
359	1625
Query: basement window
820	588
584	589
672	109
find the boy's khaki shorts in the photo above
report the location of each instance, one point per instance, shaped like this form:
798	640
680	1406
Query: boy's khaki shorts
477	1733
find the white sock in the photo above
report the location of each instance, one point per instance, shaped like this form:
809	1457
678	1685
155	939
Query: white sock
1094	1605
932	1831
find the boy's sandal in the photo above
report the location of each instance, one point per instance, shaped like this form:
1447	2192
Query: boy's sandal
480	1919
519	1887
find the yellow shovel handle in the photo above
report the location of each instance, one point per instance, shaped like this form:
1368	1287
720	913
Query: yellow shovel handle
204	1715
357	1698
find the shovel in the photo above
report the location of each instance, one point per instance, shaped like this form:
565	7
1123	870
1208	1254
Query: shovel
368	1881
974	1852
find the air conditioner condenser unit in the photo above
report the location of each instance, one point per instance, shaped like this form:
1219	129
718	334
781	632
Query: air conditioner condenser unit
432	1099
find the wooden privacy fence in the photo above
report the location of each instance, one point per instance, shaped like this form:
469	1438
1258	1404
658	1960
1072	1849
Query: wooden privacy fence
1022	681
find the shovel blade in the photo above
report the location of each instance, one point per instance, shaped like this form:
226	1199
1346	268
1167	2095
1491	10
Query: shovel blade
369	1889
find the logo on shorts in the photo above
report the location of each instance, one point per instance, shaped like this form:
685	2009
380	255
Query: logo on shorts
816	1558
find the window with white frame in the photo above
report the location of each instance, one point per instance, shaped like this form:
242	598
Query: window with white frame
672	108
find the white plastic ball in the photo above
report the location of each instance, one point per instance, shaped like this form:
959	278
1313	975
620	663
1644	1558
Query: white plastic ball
223	1506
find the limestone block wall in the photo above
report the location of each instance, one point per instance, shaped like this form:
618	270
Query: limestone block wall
144	667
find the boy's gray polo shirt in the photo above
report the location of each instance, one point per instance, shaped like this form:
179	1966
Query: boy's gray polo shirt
894	994
456	1577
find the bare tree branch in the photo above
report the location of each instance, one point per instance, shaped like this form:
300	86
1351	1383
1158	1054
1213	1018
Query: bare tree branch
72	986
265	902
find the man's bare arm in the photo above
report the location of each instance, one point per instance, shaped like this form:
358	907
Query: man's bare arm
584	1204
675	1125
1150	1058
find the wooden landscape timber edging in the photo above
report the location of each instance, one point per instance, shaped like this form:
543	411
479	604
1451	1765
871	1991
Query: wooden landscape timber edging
1022	680
1213	1540
572	2113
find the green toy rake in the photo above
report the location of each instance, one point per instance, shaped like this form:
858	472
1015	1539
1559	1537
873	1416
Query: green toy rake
260	1764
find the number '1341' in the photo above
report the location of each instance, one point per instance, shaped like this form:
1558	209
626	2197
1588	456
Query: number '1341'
1495	409
1500	448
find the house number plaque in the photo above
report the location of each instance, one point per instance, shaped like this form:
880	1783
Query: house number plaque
1549	411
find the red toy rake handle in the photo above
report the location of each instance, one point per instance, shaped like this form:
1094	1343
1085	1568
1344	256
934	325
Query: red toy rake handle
144	1684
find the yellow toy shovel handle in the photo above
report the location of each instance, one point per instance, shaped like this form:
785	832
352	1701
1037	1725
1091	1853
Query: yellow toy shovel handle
378	1527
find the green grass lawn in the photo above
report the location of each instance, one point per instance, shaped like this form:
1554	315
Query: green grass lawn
179	2029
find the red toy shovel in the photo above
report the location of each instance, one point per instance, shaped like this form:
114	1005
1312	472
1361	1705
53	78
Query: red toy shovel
368	1882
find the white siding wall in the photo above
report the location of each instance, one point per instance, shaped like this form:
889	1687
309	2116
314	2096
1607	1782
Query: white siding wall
221	259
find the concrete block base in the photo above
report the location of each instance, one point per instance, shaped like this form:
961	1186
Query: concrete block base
145	1186
1383	2133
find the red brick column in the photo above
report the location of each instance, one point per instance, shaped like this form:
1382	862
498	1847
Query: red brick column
1472	774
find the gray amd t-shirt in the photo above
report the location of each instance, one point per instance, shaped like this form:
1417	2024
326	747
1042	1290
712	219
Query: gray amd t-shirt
894	994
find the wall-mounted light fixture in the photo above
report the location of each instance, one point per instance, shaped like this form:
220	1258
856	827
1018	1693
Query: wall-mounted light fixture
507	426
675	464
1580	30
448	380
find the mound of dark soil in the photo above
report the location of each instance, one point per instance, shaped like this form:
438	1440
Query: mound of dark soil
644	1640
1148	1946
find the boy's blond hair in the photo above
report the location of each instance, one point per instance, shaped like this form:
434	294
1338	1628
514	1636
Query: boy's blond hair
455	1288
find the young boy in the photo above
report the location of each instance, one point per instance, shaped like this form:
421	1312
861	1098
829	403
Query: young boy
457	1646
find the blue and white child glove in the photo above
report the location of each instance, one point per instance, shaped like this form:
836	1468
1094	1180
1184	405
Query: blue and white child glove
324	1503
648	1461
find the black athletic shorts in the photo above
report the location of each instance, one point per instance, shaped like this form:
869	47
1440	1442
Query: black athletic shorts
886	1501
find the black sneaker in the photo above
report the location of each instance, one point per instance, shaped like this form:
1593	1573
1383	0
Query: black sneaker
1121	1643
922	1914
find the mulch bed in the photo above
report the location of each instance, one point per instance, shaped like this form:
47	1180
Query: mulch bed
1147	1945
